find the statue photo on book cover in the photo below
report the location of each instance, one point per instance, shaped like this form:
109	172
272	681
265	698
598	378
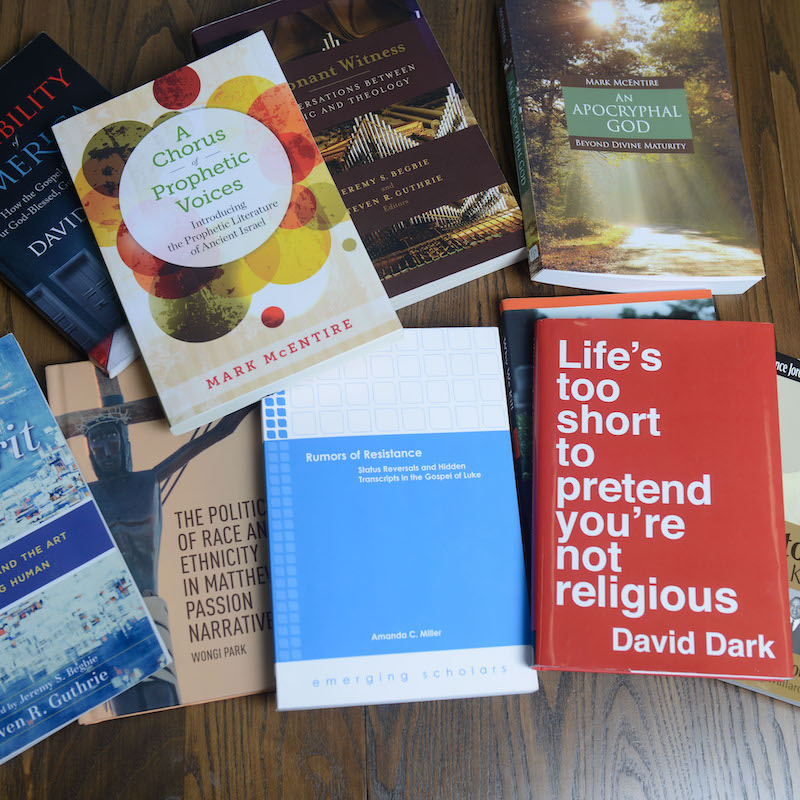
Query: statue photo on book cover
131	501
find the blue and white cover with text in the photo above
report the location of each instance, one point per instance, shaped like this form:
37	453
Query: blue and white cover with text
395	546
74	630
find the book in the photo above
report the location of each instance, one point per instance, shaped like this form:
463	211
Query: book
232	252
397	569
188	515
398	135
74	629
518	316
659	533
627	146
788	370
48	253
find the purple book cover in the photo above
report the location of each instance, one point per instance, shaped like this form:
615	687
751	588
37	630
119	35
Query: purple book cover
403	145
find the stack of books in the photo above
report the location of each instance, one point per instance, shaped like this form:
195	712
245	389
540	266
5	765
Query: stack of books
407	514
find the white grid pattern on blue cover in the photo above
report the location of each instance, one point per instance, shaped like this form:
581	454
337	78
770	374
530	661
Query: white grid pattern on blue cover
283	561
434	380
274	416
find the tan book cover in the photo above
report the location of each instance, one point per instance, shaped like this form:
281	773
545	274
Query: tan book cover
229	245
188	515
788	404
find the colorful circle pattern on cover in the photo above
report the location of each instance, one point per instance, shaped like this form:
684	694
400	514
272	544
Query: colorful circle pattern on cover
194	304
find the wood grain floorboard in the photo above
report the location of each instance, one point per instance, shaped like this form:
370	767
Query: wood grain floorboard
580	736
244	748
781	35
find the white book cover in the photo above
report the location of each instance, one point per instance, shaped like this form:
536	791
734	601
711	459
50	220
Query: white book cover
395	546
229	245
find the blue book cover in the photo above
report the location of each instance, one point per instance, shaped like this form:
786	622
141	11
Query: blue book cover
395	547
74	629
49	254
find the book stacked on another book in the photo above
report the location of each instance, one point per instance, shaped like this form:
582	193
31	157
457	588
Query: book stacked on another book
74	629
627	147
233	255
396	132
659	535
188	514
518	318
394	538
788	370
48	253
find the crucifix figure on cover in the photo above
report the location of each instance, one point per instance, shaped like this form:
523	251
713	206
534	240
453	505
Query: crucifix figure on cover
131	502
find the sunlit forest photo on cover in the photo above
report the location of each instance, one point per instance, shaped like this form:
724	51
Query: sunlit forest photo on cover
636	212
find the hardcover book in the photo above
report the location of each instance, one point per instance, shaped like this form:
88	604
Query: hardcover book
660	545
74	629
518	316
188	515
397	569
47	251
231	250
627	145
395	130
788	403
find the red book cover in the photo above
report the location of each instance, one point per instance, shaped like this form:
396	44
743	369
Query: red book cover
658	503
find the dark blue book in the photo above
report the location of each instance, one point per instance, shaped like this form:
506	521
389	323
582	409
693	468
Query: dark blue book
74	629
518	316
47	251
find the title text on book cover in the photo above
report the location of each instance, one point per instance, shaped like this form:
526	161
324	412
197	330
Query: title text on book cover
591	544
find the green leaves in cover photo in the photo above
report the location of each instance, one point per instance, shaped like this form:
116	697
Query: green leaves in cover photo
632	143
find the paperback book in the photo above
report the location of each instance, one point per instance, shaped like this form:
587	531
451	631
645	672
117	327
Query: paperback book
660	545
188	515
74	629
398	135
788	369
627	145
47	251
518	317
397	569
229	245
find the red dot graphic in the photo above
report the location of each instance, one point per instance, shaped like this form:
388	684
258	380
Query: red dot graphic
272	316
177	89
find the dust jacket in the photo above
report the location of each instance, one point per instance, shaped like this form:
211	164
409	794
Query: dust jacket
788	370
47	251
518	318
229	245
188	514
398	135
397	569
658	514
627	145
74	629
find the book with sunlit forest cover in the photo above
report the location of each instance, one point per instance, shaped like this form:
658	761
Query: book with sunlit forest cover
627	145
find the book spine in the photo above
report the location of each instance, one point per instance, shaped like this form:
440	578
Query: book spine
540	583
512	417
509	386
55	387
518	140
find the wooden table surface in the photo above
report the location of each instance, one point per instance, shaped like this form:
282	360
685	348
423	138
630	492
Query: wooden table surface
582	736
